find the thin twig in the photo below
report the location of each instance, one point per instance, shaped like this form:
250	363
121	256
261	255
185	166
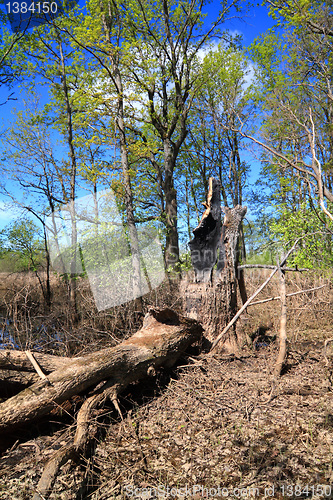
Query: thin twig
268	266
327	341
288	295
35	364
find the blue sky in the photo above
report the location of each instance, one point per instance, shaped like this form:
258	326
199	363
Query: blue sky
256	22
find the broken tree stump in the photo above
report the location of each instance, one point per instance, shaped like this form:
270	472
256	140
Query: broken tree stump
212	297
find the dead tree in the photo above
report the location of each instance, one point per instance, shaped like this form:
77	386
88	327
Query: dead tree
283	324
212	297
163	337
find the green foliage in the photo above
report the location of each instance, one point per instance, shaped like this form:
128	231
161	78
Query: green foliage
212	147
21	247
183	266
294	66
261	247
172	96
315	249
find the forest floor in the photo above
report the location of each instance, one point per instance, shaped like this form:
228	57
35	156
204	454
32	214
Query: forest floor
206	429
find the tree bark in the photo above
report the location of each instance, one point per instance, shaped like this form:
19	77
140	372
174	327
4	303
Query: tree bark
212	298
243	308
10	379
117	79
161	340
18	360
73	171
283	325
171	209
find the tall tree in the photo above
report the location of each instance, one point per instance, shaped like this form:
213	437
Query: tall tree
9	44
45	57
32	177
24	239
156	51
213	146
103	41
167	44
294	73
294	65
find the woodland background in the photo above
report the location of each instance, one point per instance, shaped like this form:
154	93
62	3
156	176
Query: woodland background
149	99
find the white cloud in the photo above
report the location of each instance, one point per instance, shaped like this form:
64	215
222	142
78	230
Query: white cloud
212	47
7	213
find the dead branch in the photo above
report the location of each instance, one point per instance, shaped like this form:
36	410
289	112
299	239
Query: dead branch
268	266
302	167
85	431
288	295
35	364
283	324
327	341
318	170
243	308
9	378
18	360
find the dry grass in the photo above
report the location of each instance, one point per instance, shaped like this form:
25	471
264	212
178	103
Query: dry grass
310	315
208	423
212	428
24	316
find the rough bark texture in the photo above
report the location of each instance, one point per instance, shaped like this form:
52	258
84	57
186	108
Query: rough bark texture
212	298
283	325
171	209
18	360
162	339
10	379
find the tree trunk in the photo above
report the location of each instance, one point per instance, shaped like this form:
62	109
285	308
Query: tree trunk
241	256
74	317
283	325
18	361
163	337
117	79
133	235
48	293
161	340
171	209
212	297
13	381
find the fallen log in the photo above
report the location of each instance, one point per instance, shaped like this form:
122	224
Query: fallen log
162	339
11	377
19	361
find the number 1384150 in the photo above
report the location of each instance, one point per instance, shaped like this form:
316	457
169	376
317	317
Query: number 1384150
33	7
293	490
